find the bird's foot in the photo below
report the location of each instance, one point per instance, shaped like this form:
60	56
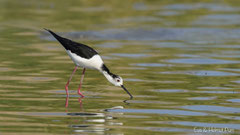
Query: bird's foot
79	93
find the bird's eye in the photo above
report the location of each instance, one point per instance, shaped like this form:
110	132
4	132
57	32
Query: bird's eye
118	80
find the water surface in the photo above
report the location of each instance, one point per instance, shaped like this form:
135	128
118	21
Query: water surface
179	59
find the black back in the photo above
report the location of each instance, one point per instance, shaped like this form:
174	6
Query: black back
77	48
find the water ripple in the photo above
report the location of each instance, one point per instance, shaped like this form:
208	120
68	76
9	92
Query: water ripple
150	64
202	98
202	73
234	100
159	111
130	55
156	34
202	124
202	61
171	90
212	108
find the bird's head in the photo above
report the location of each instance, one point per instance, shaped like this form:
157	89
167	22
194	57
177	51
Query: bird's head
116	80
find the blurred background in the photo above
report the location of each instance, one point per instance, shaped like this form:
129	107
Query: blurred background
178	58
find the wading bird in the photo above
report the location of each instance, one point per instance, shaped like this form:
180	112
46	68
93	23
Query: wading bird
86	57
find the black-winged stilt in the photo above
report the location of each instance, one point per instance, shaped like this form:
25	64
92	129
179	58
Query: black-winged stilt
86	57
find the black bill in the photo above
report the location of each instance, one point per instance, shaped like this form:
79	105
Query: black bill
127	91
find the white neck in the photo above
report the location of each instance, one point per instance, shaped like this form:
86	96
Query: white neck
109	77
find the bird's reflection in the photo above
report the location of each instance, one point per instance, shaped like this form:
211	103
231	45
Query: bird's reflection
79	100
66	103
91	122
126	101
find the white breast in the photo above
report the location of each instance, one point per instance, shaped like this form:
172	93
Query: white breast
94	63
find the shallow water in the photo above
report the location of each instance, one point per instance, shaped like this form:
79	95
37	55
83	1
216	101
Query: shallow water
180	61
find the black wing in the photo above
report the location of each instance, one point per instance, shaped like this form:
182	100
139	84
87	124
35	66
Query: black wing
77	48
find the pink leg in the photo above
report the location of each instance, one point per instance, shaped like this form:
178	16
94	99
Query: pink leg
66	103
80	102
80	85
66	86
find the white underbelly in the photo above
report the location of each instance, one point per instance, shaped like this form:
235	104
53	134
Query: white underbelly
93	63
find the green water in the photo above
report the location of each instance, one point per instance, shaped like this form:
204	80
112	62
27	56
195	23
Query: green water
179	59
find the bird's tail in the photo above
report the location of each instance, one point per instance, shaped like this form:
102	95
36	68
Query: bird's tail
65	42
59	38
